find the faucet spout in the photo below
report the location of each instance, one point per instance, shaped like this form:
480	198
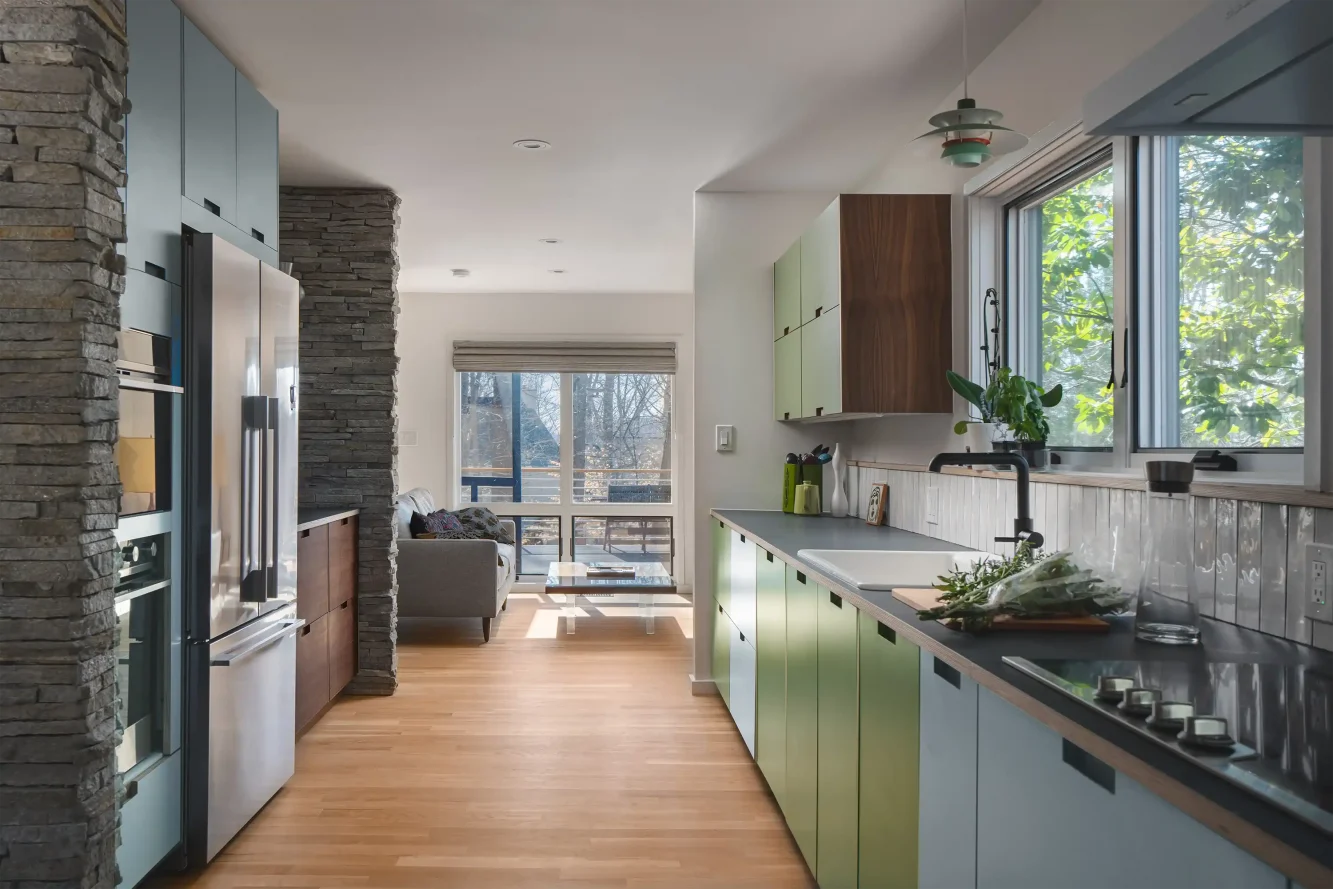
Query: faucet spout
1023	531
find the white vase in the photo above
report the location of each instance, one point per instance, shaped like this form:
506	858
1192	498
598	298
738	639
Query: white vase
839	503
979	437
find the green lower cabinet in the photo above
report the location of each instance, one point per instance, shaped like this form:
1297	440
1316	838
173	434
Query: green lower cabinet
722	564
890	707
771	672
802	773
839	784
722	653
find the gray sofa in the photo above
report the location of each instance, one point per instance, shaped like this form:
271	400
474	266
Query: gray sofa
450	578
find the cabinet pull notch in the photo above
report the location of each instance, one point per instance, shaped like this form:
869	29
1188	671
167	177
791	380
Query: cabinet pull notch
257	235
212	207
819	311
948	673
819	412
1088	766
835	599
305	630
888	633
800	578
769	554
155	270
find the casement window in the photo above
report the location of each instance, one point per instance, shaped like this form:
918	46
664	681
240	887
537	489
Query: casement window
1160	281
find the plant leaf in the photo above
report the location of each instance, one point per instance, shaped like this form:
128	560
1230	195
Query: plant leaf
970	391
1052	396
960	428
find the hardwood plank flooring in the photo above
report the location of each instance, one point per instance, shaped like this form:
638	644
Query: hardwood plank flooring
538	759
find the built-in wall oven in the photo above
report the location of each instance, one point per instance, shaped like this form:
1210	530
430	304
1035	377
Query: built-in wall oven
144	444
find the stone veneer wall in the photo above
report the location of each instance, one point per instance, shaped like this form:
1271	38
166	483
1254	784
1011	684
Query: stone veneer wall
343	246
62	82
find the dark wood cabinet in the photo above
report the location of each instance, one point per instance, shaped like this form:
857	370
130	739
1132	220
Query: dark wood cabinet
326	599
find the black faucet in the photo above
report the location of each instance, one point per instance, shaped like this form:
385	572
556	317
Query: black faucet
1023	523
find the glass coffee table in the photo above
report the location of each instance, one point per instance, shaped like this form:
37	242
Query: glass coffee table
572	579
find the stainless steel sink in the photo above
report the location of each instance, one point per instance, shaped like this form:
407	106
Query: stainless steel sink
888	569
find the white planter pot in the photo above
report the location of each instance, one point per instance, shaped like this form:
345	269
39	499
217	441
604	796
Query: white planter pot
979	437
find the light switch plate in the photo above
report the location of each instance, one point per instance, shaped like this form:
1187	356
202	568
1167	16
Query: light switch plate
932	506
1319	585
726	438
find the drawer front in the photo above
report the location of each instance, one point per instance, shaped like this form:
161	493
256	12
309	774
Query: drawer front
342	561
312	572
312	671
342	646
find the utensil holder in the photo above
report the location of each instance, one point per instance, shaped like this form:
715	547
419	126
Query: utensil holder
791	477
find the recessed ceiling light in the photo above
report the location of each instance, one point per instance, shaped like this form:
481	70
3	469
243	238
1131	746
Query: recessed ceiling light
557	271
549	240
532	145
461	273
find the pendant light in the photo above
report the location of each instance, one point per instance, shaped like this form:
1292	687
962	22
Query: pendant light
971	135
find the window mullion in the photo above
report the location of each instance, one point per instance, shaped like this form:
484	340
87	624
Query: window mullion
567	457
1123	289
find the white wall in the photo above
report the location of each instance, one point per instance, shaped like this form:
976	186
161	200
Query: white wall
429	323
737	237
1037	77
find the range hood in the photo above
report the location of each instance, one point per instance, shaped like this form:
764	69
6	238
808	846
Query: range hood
1240	66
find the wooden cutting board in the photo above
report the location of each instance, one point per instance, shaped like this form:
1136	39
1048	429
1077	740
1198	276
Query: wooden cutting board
923	599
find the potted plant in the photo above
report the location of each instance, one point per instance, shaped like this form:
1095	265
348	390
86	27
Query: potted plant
982	433
1016	404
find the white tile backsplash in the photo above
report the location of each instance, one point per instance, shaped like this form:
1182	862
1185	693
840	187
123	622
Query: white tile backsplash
1247	564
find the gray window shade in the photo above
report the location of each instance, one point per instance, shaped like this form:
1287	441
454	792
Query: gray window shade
511	357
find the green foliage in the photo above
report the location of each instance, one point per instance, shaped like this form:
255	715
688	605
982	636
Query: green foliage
964	590
1009	399
1237	259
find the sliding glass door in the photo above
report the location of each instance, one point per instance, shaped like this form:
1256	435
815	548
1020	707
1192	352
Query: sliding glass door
581	461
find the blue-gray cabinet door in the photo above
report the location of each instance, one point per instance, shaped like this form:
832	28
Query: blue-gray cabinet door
743	675
1195	856
209	125
256	163
947	825
153	140
1047	813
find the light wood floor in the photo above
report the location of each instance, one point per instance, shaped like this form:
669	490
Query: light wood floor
539	759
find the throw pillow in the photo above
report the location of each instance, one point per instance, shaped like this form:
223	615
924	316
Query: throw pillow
443	523
480	522
417	524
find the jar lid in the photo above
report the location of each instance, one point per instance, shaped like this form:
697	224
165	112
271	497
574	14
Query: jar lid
1169	476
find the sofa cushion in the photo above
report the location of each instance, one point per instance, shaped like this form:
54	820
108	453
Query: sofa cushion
440	524
415	500
478	521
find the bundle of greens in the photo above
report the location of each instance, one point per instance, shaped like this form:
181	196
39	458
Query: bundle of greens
1024	585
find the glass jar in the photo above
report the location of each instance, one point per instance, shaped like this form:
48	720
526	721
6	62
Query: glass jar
1165	612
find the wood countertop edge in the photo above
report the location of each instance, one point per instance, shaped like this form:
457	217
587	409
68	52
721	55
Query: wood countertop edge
1255	492
1245	834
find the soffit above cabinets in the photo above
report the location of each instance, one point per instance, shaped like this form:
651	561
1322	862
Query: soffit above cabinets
1240	66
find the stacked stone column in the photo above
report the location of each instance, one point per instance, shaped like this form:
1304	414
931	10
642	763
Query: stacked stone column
343	246
62	83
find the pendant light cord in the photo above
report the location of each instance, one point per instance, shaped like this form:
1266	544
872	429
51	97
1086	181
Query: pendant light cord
966	67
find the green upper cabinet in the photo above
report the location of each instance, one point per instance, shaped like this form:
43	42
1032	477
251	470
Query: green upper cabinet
209	125
721	564
838	743
890	689
256	164
821	365
787	376
787	292
771	672
821	264
153	141
802	777
875	320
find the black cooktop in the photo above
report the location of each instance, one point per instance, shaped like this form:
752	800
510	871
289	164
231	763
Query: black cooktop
1281	717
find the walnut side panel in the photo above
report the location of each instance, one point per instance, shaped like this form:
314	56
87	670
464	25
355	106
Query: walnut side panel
897	303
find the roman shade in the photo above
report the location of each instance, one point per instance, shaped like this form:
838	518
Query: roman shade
572	357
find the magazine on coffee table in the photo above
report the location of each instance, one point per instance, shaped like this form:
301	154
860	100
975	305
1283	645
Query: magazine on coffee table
610	569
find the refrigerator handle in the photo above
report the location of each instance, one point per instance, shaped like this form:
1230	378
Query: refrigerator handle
274	466
254	419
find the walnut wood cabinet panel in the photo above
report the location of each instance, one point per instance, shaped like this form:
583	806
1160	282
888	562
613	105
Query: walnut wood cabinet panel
876	326
326	598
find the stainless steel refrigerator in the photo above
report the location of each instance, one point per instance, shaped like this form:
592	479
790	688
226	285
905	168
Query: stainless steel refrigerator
241	342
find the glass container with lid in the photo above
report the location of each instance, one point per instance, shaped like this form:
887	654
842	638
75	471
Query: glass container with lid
1165	612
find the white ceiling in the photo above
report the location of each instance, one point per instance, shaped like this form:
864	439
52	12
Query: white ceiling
644	102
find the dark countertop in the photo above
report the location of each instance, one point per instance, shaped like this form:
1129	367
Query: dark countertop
313	517
980	657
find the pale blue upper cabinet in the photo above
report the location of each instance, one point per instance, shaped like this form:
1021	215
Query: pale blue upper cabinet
256	163
153	141
209	126
947	829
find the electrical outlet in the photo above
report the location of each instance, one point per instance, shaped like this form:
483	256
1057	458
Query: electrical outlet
932	506
1319	602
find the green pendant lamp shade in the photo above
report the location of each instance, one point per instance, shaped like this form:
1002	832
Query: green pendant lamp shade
971	135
